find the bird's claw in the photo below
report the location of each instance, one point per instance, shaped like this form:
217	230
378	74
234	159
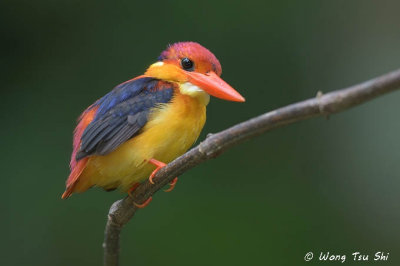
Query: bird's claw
152	175
140	206
133	188
144	204
172	185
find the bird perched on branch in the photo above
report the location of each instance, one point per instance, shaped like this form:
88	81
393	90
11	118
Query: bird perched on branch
129	134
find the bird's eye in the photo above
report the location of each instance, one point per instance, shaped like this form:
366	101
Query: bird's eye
187	64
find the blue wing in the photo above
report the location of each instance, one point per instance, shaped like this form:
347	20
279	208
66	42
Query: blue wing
122	113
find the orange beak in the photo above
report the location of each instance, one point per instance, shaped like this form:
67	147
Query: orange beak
215	86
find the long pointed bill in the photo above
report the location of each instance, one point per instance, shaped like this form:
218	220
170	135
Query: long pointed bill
215	86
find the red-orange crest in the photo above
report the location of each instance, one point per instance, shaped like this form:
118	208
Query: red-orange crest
204	61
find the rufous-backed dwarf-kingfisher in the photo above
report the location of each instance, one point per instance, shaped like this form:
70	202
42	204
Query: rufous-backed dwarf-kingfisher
145	122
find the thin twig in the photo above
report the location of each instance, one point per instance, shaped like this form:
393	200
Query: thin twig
323	105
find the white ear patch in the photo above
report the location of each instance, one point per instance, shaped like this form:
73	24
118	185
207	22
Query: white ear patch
158	64
195	91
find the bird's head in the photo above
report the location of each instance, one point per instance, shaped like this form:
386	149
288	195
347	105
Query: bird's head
195	68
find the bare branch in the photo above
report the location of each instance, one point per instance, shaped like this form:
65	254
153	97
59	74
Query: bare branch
323	105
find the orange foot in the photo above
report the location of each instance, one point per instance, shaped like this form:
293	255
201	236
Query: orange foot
144	204
160	165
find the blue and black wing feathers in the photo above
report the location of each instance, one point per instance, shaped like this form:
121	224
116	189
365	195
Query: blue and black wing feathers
122	113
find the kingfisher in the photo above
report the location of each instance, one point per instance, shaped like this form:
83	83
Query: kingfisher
144	123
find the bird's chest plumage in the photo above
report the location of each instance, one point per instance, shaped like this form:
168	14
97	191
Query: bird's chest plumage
171	130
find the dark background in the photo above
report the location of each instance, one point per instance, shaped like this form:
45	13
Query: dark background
319	185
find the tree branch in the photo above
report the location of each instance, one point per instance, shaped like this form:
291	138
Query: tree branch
323	105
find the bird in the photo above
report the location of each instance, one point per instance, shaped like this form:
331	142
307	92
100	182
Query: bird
125	137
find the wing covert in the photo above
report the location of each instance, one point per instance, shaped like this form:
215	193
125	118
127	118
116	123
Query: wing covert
122	113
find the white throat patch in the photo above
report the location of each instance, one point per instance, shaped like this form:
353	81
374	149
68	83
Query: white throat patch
192	90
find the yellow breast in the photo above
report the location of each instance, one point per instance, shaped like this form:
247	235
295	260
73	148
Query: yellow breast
170	131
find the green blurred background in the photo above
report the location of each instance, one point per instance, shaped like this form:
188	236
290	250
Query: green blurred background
319	185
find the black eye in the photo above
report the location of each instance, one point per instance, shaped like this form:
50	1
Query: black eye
187	64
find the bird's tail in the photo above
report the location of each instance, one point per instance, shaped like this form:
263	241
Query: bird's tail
74	178
78	166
